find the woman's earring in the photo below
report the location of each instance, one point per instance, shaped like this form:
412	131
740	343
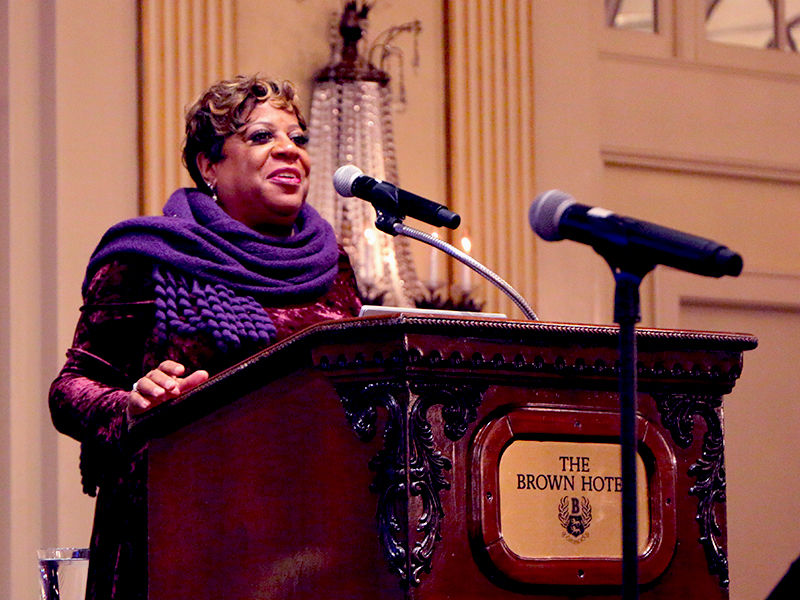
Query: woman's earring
213	189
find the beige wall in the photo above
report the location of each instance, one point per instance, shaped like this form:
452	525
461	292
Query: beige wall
68	169
704	138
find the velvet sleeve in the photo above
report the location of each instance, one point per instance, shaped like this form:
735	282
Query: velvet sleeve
89	396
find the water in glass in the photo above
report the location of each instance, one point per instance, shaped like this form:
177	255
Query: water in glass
63	573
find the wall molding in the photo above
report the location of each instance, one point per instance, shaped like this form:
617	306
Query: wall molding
615	156
674	289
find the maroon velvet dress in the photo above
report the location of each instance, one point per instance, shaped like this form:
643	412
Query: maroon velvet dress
116	343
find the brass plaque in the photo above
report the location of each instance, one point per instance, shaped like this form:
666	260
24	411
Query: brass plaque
564	500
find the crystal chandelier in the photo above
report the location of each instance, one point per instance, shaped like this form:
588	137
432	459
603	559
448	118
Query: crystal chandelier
351	123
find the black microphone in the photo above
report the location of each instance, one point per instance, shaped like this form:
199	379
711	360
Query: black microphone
349	180
555	215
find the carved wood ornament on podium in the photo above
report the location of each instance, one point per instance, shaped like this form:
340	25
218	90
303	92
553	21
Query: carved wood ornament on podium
426	475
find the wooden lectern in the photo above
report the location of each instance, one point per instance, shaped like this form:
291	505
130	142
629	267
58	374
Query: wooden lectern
425	457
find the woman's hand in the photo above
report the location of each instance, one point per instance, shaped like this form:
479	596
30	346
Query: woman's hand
161	384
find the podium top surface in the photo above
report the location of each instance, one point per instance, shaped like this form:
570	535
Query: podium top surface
420	344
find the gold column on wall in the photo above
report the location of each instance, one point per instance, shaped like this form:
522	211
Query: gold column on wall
491	136
185	46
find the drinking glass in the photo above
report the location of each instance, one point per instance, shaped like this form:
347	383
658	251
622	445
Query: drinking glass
63	573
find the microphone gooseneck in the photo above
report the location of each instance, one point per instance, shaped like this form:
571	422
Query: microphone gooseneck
392	204
473	264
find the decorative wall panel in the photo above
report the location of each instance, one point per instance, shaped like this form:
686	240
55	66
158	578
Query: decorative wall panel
185	46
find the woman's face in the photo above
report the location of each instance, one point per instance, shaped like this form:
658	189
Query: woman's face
263	179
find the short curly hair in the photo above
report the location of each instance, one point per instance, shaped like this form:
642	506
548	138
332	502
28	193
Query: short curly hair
223	109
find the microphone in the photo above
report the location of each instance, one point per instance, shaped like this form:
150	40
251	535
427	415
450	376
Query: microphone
555	215
349	181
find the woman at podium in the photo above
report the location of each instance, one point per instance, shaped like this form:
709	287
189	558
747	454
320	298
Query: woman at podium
232	266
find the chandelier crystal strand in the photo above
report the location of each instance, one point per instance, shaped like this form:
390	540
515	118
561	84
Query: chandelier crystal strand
351	123
321	115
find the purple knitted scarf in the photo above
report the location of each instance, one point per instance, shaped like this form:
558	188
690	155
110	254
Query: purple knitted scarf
225	270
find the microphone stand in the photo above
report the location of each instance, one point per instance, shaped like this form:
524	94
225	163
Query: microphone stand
628	275
393	225
619	242
627	314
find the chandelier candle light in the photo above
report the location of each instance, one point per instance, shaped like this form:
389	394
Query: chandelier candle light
433	268
466	272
